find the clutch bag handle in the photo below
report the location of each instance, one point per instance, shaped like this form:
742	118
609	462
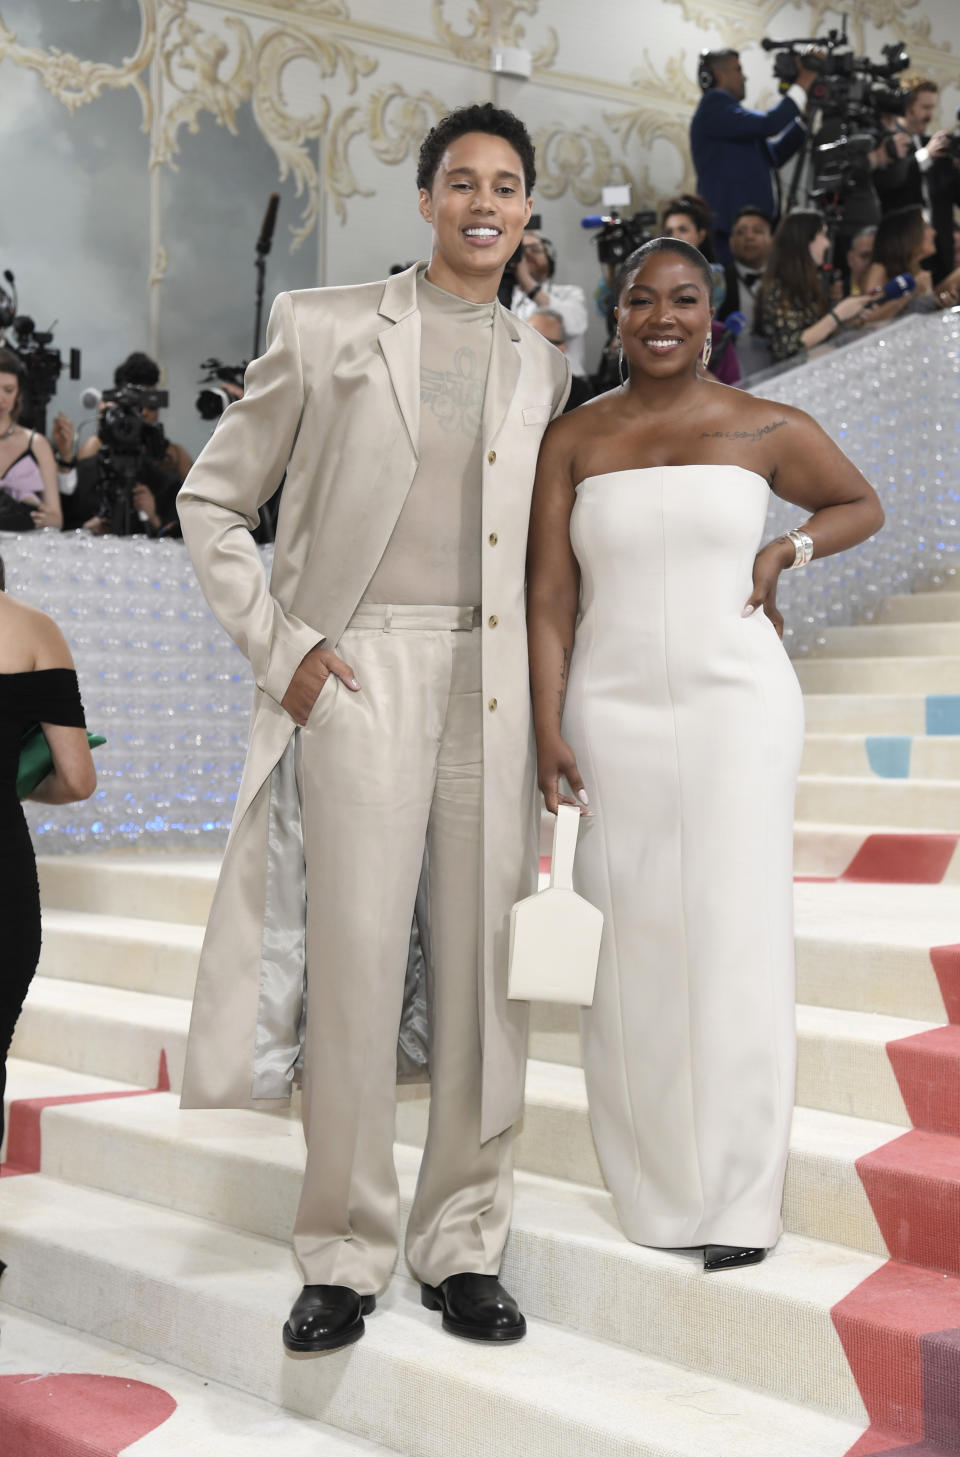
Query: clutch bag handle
564	847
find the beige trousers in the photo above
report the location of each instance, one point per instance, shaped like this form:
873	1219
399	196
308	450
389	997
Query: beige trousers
390	782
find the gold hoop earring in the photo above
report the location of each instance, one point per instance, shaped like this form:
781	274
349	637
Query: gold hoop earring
706	351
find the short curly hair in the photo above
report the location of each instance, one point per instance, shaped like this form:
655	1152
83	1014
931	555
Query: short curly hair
486	118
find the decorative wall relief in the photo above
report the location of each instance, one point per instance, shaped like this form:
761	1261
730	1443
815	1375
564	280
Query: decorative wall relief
485	31
670	98
393	122
75	81
579	161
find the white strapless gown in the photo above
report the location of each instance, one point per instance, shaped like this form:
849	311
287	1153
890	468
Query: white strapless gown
687	722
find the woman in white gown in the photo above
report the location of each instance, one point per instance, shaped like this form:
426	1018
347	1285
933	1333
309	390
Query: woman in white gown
672	710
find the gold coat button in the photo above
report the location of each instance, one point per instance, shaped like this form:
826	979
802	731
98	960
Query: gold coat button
493	620
492	705
493	538
491	457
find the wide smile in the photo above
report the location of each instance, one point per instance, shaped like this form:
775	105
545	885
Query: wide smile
663	343
482	235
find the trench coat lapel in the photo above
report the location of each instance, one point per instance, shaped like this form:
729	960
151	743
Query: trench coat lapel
503	376
400	347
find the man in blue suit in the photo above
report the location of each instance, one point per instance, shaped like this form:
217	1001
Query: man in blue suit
735	151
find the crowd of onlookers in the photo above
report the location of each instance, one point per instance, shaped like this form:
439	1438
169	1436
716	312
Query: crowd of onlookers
779	289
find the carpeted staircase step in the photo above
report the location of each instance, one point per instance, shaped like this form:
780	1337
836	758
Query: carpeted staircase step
170	1285
67	1394
911	804
939	674
35	1084
119	1034
888	756
172	887
892	640
121	951
244	1168
920	607
875	853
882	710
875	947
104	1031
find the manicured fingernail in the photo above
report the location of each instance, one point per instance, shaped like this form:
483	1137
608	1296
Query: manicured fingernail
749	610
352	683
583	797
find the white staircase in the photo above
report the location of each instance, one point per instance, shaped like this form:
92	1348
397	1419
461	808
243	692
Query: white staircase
155	1243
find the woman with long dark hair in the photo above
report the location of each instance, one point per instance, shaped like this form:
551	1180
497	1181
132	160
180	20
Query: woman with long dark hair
904	243
793	311
38	685
657	670
28	474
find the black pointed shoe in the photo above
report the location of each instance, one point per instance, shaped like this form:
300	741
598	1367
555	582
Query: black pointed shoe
326	1317
730	1257
475	1307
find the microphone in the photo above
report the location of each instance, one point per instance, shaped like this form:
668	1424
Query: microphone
90	399
733	326
267	226
597	220
898	287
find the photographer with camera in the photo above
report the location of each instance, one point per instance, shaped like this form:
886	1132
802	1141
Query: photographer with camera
792	307
128	474
29	497
737	152
926	173
535	289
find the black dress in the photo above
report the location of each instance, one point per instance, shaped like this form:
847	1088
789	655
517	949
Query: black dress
48	695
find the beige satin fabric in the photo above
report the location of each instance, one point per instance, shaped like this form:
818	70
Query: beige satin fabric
391	782
335	402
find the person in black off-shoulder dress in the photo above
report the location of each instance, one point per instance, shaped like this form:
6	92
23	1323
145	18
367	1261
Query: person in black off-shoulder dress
38	684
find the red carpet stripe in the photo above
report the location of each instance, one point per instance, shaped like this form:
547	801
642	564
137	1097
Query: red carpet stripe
900	1329
910	859
23	1123
76	1415
946	964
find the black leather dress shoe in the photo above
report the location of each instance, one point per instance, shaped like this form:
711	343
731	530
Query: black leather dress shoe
326	1317
730	1257
476	1307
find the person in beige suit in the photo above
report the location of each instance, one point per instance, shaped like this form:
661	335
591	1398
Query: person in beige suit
386	820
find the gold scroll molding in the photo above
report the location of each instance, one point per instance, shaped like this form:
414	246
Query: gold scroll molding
669	98
577	161
493	22
393	122
75	81
216	72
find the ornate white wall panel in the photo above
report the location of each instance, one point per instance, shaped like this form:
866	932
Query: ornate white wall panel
143	138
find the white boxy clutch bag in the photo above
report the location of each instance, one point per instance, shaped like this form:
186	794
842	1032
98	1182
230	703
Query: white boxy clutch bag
555	935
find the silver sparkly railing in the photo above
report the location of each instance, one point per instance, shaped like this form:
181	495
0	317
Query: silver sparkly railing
172	695
891	402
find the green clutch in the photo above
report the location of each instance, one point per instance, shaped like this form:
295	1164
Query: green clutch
36	760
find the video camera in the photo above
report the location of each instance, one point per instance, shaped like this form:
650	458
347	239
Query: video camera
125	439
32	346
618	237
211	403
852	95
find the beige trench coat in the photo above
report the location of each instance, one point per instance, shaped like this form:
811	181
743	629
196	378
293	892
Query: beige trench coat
335	402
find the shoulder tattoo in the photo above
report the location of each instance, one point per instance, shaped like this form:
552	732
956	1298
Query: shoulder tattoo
743	434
